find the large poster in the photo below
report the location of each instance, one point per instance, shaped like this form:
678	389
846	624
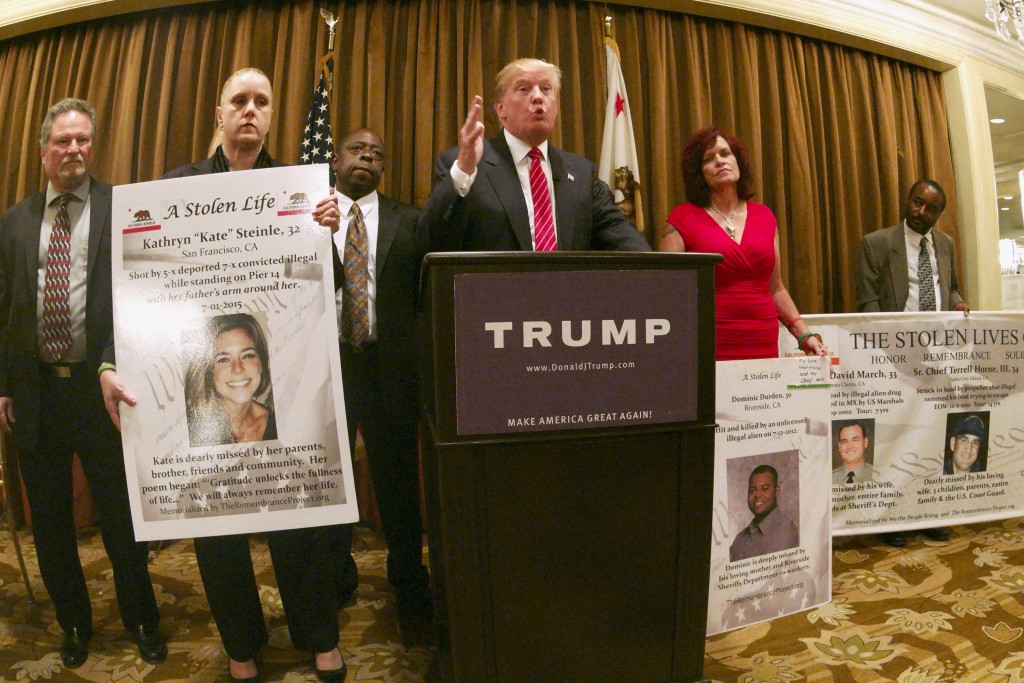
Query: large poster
226	333
926	425
770	552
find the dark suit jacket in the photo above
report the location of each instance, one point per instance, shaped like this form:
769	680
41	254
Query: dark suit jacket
493	216
881	280
399	252
19	344
201	167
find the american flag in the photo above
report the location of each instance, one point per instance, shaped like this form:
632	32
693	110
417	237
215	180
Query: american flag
317	145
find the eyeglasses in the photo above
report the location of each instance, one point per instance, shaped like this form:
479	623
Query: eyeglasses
356	149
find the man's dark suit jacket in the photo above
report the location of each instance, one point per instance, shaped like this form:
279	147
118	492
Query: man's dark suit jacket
399	252
19	344
493	216
882	279
381	396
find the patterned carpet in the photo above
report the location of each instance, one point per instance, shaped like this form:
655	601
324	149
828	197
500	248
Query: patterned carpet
29	636
929	613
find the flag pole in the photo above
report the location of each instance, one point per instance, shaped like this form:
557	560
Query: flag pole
331	21
609	40
618	163
317	143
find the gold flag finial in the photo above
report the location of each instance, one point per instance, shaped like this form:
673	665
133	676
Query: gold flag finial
608	26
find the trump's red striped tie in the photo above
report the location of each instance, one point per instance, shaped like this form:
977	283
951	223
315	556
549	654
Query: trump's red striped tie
543	220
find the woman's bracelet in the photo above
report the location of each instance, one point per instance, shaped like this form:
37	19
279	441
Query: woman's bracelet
802	341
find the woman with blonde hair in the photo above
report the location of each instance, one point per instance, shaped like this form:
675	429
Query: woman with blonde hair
302	558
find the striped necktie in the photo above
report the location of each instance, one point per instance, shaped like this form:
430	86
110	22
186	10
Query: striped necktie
543	220
57	284
925	280
355	316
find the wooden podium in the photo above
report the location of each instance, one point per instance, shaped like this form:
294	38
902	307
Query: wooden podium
569	542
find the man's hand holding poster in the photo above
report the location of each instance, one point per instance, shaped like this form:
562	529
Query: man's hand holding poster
226	334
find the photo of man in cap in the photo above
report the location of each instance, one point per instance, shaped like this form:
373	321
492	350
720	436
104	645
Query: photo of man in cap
967	451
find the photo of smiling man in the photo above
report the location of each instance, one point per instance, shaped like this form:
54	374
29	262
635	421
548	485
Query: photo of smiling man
770	530
228	396
853	452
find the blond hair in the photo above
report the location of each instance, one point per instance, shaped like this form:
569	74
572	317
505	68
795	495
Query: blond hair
513	69
218	133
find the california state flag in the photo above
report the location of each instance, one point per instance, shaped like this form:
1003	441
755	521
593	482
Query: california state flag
618	166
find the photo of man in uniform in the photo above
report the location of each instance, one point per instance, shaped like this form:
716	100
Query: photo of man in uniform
853	448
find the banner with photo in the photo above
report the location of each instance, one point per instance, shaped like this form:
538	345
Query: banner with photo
771	543
225	330
926	423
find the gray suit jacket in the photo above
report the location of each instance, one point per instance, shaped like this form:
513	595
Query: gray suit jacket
493	216
881	280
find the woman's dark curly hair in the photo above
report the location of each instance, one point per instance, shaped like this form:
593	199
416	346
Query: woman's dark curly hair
697	190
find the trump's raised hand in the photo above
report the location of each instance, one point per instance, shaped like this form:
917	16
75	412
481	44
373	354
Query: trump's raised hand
471	137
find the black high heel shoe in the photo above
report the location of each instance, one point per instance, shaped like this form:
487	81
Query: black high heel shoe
331	675
250	679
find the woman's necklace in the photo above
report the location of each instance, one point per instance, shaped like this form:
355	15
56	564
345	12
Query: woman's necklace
249	433
728	220
250	427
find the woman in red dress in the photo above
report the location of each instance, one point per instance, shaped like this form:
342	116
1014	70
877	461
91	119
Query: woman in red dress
750	298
